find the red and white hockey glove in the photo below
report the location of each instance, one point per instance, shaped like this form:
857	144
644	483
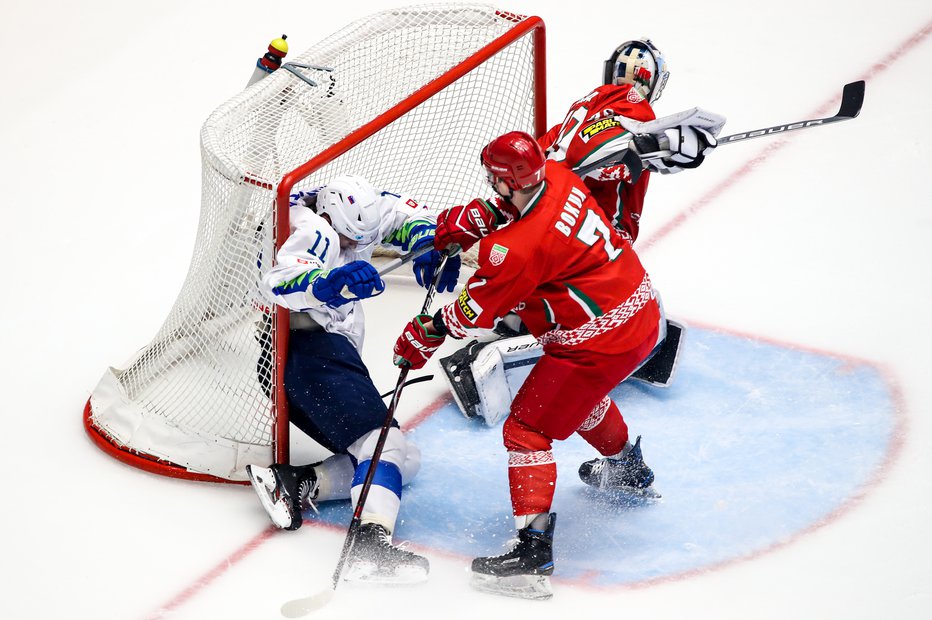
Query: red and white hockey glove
466	225
415	346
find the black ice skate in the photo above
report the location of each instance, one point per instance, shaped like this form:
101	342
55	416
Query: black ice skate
375	559
627	473
523	572
284	491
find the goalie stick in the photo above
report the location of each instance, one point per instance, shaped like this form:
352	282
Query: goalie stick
300	607
852	98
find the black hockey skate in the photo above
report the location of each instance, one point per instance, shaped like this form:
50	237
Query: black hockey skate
284	491
523	572
375	559
628	473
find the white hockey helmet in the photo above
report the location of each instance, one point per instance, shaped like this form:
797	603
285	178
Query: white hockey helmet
640	64
350	203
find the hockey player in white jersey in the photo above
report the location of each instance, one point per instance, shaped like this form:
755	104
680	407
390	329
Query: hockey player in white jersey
321	273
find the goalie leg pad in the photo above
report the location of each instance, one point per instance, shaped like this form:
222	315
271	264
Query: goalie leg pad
485	377
457	370
659	368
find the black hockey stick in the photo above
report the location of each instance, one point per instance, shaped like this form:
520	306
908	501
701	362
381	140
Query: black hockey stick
303	606
852	97
411	382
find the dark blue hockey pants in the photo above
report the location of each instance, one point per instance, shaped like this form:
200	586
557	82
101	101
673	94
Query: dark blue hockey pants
330	394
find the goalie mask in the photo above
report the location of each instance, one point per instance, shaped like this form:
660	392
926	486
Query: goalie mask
640	64
350	203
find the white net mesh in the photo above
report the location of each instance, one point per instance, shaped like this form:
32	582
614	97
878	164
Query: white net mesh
197	396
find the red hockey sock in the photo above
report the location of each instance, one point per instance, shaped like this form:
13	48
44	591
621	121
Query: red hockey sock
605	428
532	471
532	477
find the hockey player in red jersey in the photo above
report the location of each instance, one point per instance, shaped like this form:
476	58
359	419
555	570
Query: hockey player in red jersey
581	290
599	139
634	78
612	140
599	128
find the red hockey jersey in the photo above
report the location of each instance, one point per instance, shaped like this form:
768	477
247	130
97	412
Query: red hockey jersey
589	130
570	277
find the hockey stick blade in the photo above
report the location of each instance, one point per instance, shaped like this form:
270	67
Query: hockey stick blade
301	607
852	98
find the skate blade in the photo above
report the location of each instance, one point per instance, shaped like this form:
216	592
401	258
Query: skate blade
645	493
628	497
368	572
532	587
633	493
276	509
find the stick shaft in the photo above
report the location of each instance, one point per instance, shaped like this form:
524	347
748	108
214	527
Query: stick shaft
383	437
852	98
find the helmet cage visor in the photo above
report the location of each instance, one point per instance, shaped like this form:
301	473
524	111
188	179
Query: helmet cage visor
649	82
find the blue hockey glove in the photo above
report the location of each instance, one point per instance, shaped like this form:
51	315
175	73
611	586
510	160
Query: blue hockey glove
358	278
450	275
426	264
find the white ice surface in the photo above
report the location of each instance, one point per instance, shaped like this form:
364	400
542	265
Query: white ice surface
822	243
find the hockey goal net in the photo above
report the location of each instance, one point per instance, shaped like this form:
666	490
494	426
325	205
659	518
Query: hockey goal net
405	97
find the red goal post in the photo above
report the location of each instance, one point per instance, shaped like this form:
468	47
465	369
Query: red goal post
406	97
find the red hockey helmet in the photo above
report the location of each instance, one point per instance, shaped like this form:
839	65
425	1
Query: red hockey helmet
516	159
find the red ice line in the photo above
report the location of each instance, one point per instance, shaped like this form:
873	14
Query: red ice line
763	155
209	577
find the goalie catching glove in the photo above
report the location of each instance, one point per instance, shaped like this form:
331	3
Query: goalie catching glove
675	149
415	345
357	278
467	225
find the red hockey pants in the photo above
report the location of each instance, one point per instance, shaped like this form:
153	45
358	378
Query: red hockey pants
563	395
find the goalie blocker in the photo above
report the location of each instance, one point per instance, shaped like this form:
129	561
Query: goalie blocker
485	376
